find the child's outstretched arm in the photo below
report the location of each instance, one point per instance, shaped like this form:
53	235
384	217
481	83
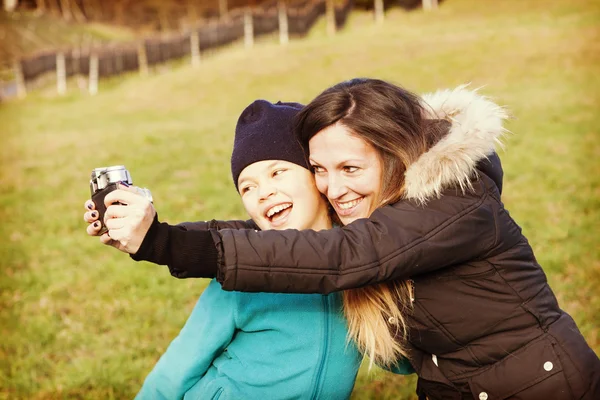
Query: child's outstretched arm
207	332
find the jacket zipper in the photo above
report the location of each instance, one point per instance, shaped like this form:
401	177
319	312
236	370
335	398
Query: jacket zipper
325	348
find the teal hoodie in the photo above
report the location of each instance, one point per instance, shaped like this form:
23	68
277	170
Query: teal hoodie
258	346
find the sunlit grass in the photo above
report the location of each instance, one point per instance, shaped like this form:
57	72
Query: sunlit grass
79	320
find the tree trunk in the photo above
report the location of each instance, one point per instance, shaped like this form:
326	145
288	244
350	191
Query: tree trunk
54	7
223	8
330	16
283	22
77	11
66	10
430	4
10	5
40	6
163	17
192	12
379	11
120	12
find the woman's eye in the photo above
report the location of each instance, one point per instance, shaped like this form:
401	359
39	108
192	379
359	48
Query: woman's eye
246	189
316	169
350	169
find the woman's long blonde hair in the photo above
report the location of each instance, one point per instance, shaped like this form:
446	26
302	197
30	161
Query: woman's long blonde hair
390	119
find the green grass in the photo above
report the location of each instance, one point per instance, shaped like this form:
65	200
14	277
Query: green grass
79	320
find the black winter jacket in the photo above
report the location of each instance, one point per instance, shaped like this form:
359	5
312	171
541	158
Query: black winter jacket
485	323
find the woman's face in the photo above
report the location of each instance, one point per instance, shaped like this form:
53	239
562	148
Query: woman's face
347	170
282	195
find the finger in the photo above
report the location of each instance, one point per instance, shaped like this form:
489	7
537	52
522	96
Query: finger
94	228
89	205
125	197
128	188
105	239
90	216
114	223
118	211
118	235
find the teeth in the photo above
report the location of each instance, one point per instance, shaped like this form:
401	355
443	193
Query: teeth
277	209
349	204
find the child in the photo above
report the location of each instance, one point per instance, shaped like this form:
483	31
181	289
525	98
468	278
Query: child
263	345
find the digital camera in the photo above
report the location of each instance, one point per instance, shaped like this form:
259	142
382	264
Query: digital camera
106	179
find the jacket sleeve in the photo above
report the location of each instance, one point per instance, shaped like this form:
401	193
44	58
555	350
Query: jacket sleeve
396	242
207	332
187	248
215	224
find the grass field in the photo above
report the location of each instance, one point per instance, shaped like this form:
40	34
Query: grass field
82	321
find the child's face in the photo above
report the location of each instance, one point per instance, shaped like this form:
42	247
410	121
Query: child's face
282	195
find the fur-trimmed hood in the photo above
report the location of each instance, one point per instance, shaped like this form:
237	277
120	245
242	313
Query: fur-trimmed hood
476	130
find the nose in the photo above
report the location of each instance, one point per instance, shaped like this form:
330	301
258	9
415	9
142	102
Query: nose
266	190
336	187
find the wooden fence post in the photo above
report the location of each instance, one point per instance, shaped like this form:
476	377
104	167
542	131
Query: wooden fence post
20	80
379	11
330	17
284	37
430	4
142	59
61	74
195	48
248	28
93	81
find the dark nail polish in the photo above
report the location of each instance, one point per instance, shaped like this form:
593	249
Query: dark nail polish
94	214
89	206
96	224
124	183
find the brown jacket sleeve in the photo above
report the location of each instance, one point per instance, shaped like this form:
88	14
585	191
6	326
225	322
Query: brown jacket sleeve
215	224
187	248
396	242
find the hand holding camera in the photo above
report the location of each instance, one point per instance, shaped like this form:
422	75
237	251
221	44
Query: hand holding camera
119	213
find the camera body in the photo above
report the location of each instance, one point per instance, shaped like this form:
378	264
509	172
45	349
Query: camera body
103	181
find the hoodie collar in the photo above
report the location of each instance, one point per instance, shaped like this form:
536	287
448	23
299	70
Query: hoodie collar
476	130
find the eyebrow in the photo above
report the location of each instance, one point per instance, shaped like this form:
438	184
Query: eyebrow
341	163
267	167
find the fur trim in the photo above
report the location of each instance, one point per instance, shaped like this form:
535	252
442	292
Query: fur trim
476	130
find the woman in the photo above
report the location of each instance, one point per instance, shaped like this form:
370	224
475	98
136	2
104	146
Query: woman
484	322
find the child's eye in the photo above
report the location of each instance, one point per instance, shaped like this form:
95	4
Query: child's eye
246	189
315	169
279	171
350	169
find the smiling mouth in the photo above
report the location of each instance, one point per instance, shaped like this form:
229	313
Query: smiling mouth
346	208
277	214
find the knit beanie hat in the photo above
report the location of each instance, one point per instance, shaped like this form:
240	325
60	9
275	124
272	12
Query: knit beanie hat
264	131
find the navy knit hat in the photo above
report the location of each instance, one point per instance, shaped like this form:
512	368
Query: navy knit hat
264	131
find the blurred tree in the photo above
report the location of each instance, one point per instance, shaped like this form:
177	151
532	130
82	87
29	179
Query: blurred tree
139	14
10	5
222	8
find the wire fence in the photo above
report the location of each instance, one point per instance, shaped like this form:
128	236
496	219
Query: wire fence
96	62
